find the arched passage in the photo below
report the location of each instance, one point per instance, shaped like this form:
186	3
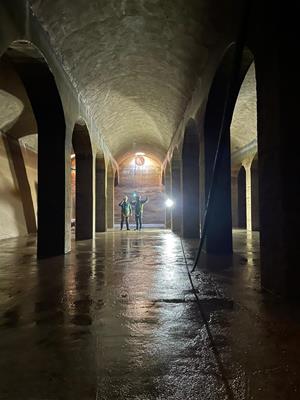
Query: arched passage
241	203
176	192
84	182
100	193
219	228
38	80
190	182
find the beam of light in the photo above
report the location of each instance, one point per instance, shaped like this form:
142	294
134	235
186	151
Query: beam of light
169	203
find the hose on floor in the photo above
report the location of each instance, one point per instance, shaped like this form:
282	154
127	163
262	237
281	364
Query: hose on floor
214	348
226	120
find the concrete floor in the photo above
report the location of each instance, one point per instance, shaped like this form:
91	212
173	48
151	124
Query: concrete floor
117	319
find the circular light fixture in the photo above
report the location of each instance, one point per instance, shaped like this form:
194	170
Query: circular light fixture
139	160
169	203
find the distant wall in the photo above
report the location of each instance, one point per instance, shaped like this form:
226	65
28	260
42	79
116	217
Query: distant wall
145	180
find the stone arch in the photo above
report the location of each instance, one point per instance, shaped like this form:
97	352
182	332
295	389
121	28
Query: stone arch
101	181
241	203
37	79
176	214
255	194
84	182
218	115
190	182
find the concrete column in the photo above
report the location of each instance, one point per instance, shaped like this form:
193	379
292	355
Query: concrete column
110	203
84	197
69	180
247	166
219	228
278	87
14	149
49	115
242	203
168	190
176	196
234	197
101	181
254	195
190	184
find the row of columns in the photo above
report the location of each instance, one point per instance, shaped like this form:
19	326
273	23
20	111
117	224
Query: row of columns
94	194
94	178
245	195
278	174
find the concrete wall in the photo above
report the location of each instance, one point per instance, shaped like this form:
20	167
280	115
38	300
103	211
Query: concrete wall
12	219
30	160
147	182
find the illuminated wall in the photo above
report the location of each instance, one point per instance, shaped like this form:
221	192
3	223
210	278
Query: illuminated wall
142	174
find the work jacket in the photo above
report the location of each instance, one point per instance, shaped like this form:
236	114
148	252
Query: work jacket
139	206
126	209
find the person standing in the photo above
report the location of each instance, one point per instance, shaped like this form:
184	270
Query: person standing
138	211
126	211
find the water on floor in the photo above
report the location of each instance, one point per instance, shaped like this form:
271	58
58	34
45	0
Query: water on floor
117	319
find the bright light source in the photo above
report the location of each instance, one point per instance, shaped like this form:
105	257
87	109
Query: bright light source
169	203
139	154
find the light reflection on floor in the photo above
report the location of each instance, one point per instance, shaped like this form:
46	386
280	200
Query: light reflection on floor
116	319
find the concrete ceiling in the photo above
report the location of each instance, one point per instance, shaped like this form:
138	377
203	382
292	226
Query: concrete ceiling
134	63
10	110
244	121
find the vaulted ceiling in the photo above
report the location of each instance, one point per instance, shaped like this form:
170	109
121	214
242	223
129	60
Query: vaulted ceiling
244	121
134	63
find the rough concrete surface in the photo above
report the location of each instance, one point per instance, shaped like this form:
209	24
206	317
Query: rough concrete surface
134	64
10	109
117	319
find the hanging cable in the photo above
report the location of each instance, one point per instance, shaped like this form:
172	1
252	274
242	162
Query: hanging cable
226	119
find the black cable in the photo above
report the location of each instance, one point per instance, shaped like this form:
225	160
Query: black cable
214	348
226	116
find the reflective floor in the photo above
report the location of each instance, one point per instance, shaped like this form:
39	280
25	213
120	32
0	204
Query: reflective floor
117	319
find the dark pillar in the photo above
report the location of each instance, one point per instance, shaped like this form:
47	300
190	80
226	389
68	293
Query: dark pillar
219	228
168	189
100	195
110	202
190	185
254	195
84	197
45	101
278	88
242	215
234	197
176	196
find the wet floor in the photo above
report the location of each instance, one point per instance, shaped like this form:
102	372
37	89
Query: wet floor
117	319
